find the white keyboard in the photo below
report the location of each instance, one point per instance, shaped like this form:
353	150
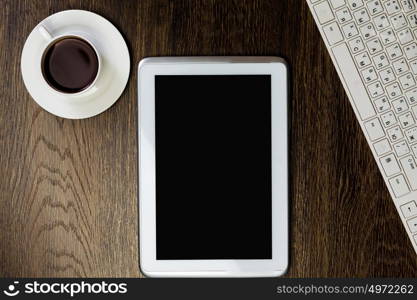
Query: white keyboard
373	45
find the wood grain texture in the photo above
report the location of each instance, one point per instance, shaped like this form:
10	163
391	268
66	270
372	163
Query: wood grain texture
68	188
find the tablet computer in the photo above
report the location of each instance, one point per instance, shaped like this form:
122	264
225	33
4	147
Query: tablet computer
213	167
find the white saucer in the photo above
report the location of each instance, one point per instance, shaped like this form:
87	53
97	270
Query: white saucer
111	81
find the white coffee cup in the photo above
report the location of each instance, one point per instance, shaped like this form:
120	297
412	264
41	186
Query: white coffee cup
51	41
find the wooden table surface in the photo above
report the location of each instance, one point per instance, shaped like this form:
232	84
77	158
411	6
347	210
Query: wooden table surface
68	188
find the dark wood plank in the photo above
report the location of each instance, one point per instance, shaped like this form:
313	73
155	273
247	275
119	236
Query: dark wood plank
68	190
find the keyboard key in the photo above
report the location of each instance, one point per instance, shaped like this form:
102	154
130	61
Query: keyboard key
414	148
375	7
399	186
392	6
343	15
388	36
408	5
361	16
363	60
387	75
324	12
400	105
393	90
374	46
400	66
332	33
382	104
405	36
412	19
406	120
353	82
398	21
411	134
395	134
409	209
390	165
407	81
374	129
375	89
413	65
411	96
394	51
412	224
354	4
389	119
382	147
381	60
411	51
381	22
410	168
368	31
350	30
356	45
401	148
369	75
337	3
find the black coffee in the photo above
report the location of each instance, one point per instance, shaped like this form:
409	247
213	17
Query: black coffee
70	65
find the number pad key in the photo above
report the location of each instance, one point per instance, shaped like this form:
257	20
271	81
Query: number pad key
395	134
409	209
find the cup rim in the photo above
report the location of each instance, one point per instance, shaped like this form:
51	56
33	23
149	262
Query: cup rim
62	37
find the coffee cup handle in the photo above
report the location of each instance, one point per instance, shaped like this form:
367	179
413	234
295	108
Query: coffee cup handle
45	33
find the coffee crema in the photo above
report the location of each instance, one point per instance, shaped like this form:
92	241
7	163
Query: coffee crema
70	65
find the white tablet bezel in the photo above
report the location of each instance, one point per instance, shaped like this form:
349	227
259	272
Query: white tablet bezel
148	69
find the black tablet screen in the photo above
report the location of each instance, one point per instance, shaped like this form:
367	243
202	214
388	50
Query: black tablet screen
213	167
